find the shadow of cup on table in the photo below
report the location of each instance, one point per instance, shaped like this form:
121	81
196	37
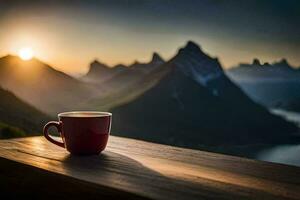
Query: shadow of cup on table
128	176
113	170
106	161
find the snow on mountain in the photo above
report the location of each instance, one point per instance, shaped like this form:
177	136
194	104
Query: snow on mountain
193	62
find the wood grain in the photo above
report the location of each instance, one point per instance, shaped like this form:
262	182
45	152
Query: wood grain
132	169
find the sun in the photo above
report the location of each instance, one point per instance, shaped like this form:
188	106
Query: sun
26	53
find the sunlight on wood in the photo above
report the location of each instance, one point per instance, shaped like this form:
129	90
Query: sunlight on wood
156	171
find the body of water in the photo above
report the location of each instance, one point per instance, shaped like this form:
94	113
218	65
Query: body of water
286	154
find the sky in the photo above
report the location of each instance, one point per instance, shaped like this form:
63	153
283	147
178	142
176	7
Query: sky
70	34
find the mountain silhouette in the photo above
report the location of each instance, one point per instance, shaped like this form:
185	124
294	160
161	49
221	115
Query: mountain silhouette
277	70
146	67
273	85
41	85
256	62
122	85
194	103
16	116
157	59
100	72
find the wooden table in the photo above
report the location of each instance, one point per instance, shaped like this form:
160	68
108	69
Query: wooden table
132	169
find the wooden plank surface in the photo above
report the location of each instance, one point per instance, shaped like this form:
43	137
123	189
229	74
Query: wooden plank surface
132	169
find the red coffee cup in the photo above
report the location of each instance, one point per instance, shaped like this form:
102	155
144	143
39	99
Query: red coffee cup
82	132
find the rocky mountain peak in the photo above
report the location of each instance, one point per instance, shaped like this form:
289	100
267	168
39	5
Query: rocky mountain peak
256	62
156	58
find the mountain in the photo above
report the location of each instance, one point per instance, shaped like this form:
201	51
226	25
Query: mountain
18	118
135	72
193	104
147	67
273	85
41	85
100	72
123	86
157	59
280	70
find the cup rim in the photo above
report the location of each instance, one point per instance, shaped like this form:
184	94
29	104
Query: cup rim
91	114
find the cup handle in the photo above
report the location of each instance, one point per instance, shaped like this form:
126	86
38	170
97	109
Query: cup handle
57	125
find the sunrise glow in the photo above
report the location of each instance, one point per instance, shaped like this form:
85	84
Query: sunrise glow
26	53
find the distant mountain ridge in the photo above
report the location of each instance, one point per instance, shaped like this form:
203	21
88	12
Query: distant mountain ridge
99	72
194	103
273	85
119	86
145	67
277	70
